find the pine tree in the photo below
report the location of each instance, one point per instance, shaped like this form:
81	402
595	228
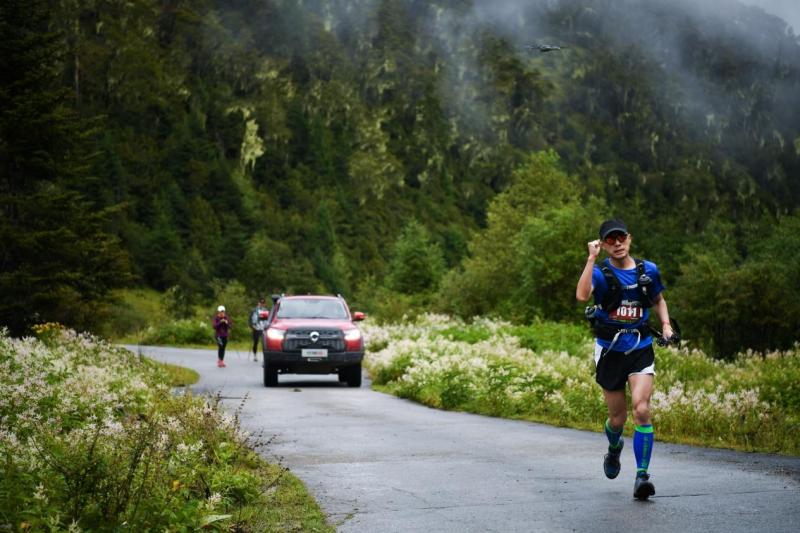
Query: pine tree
418	262
58	262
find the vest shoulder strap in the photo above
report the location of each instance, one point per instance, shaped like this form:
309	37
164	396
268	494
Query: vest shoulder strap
613	296
644	284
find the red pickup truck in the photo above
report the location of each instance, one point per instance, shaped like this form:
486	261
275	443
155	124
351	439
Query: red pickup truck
313	334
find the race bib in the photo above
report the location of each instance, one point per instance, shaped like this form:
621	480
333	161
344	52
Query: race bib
628	312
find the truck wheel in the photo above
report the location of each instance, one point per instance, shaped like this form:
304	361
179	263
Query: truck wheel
270	375
354	376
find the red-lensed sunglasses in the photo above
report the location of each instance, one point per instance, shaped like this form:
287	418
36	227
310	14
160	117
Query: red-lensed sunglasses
615	237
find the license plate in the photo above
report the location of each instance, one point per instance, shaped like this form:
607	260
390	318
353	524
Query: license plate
309	352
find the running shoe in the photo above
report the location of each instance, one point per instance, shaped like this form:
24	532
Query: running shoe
643	488
255	357
220	363
611	465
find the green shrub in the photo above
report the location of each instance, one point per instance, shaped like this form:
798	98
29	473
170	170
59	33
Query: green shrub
776	375
393	371
417	263
236	486
238	304
383	305
467	333
93	439
545	372
506	272
732	295
178	302
132	310
492	397
686	368
540	336
178	333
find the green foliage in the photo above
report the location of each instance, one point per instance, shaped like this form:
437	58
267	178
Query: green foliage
551	250
120	451
181	332
238	304
393	371
776	378
384	305
687	369
527	260
59	260
287	147
417	263
743	402
469	333
728	300
177	302
749	404
328	258
131	310
545	335
268	266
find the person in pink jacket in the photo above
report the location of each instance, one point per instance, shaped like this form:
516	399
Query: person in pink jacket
222	326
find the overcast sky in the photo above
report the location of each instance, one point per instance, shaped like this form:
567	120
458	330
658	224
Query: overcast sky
788	10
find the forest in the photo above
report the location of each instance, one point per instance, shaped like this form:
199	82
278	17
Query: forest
409	155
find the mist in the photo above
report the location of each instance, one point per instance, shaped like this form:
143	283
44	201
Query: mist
669	38
713	65
788	10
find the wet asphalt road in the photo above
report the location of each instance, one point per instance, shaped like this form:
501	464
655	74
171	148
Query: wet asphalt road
377	463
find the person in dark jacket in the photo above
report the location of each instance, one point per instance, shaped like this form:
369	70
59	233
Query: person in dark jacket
258	323
222	326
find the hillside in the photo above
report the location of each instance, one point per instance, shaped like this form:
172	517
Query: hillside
289	145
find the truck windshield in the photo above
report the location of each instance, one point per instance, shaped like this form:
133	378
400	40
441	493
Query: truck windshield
311	308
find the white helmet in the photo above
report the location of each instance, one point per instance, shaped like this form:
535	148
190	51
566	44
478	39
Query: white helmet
221	308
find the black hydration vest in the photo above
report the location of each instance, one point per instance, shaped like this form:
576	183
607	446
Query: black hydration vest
613	298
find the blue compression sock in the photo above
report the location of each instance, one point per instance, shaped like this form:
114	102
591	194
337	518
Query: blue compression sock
642	447
614	435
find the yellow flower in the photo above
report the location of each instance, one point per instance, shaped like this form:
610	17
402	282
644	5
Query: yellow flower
176	484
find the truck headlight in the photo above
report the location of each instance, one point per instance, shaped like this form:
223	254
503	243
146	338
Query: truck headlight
352	335
276	334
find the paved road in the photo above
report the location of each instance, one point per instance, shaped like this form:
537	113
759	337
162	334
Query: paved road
378	463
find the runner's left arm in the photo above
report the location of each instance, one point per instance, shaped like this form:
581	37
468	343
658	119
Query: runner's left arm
662	311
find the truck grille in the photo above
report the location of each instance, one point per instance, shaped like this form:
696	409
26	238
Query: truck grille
297	339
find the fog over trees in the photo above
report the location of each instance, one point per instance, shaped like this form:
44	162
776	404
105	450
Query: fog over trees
788	10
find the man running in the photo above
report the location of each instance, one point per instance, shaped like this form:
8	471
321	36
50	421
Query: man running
624	289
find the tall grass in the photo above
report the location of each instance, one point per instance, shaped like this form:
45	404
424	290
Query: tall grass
545	372
92	438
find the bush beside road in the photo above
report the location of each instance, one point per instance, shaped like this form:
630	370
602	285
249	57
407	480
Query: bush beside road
545	373
93	438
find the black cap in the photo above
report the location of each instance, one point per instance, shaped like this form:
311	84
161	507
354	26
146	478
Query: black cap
610	226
